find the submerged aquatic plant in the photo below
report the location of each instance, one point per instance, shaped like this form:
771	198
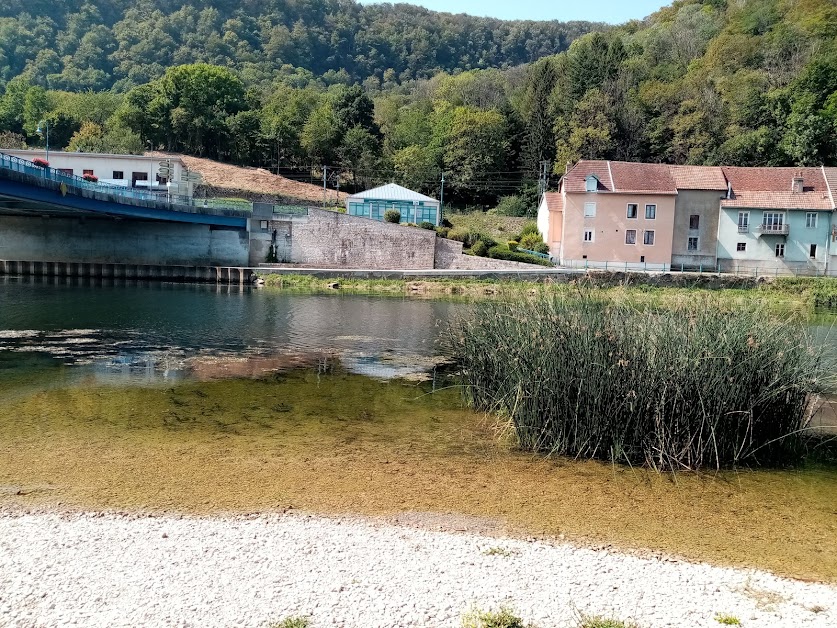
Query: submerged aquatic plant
686	387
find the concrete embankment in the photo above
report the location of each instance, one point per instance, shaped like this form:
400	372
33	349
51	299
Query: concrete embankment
148	272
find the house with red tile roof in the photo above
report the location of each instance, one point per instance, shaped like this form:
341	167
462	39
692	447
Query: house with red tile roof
777	220
657	216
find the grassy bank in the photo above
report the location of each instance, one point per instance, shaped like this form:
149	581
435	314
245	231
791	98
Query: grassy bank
699	385
638	289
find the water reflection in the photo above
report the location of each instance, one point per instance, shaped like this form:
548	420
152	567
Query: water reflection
144	332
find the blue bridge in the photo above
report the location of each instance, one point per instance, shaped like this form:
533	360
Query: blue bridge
27	189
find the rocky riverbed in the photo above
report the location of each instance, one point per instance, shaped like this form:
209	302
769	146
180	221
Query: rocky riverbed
106	569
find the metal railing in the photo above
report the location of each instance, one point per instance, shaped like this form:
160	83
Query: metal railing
51	178
535	253
765	229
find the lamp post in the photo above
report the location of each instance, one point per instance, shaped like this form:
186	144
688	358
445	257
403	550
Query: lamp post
39	131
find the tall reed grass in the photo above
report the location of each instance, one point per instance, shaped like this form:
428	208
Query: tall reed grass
685	387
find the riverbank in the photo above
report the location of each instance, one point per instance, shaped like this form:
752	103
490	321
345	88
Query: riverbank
641	287
105	569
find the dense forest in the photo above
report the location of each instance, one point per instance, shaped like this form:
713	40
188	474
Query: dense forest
747	82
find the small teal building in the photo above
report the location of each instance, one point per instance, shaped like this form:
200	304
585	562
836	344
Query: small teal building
776	220
414	207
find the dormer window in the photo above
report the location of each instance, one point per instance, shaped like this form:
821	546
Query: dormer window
797	184
592	183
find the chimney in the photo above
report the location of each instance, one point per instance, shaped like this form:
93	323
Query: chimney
796	186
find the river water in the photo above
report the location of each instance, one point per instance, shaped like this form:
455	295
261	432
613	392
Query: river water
201	399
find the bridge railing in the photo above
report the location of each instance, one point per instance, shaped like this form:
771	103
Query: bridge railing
55	179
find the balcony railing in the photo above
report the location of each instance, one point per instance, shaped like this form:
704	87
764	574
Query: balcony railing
773	229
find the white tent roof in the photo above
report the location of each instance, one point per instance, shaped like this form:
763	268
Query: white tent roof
392	192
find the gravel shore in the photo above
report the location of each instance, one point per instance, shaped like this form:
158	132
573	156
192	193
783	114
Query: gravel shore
98	569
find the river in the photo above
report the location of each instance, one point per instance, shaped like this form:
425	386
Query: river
197	398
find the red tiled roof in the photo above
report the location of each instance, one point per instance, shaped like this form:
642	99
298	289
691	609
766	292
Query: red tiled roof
554	201
574	180
698	177
771	188
778	200
831	180
642	178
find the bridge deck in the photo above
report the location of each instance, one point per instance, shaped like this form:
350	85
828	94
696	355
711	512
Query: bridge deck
27	189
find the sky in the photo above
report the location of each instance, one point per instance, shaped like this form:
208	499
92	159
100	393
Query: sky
611	11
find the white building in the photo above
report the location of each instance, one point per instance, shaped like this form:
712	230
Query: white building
414	207
136	171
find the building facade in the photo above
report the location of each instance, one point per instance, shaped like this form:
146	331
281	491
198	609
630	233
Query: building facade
136	171
657	216
413	207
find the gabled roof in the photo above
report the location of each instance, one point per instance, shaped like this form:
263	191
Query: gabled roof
830	175
771	188
554	201
621	176
392	192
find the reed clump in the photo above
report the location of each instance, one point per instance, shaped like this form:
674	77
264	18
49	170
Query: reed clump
692	386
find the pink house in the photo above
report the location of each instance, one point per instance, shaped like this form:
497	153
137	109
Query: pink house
611	212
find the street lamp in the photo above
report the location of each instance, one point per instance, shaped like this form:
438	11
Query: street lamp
39	131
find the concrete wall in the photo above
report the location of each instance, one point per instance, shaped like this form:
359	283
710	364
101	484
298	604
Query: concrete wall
333	240
98	240
760	250
610	224
706	205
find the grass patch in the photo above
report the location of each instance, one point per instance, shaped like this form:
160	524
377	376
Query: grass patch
686	387
604	622
501	228
292	622
502	618
498	551
727	620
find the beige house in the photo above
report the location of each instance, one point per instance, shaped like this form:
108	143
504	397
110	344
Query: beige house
612	214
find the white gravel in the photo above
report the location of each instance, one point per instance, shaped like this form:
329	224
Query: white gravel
112	570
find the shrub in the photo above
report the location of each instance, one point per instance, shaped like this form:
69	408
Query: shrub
392	215
503	618
688	387
499	252
442	231
447	223
460	235
479	248
511	206
529	227
513	244
476	236
92	178
604	622
292	622
727	620
427	225
530	241
541	247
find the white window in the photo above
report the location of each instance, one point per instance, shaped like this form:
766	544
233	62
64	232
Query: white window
780	250
263	224
741	246
773	222
632	210
650	212
811	220
692	244
648	238
588	235
694	222
743	222
812	251
589	210
630	236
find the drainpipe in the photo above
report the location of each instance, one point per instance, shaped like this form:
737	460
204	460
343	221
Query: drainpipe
828	238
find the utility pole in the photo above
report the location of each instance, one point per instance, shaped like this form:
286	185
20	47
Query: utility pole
442	198
543	180
325	189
